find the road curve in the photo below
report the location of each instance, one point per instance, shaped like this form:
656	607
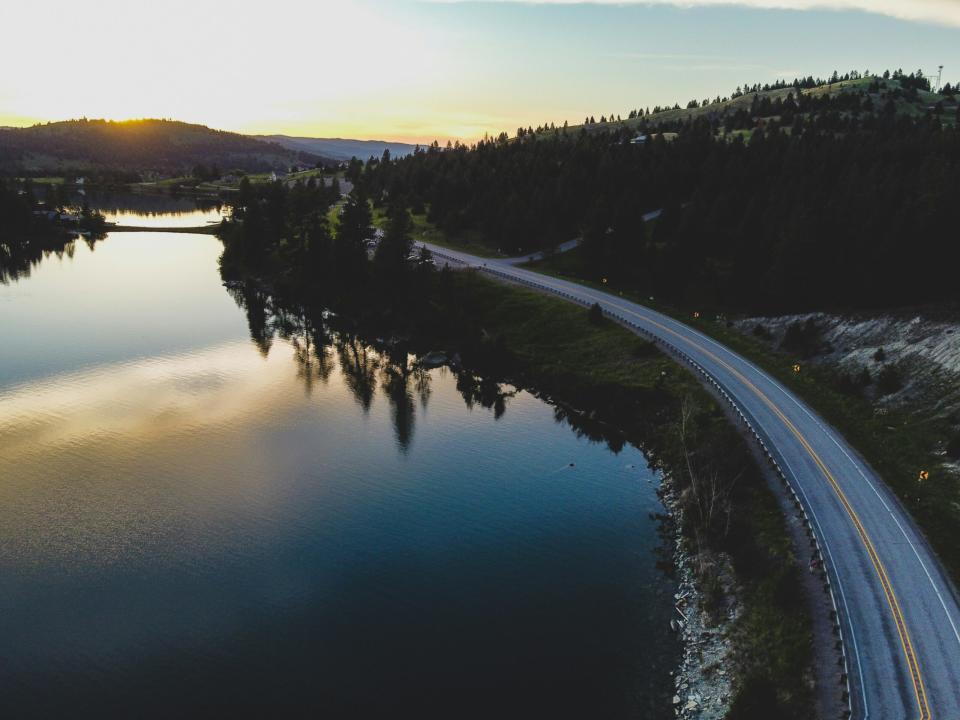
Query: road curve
898	613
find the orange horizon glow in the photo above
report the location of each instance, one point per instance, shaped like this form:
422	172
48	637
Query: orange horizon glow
423	70
375	73
466	133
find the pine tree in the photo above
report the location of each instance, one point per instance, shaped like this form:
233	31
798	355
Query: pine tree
354	230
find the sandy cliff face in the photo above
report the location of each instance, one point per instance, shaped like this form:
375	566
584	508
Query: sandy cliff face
926	350
923	347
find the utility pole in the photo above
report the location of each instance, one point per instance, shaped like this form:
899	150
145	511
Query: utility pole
939	77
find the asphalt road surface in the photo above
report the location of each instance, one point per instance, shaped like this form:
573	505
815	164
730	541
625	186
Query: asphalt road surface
898	614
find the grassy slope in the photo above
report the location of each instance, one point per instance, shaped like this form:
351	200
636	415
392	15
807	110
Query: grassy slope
898	445
333	214
425	231
640	391
290	177
474	243
92	145
218	186
745	101
52	180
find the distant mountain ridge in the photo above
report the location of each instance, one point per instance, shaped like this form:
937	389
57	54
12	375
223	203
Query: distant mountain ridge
340	149
139	146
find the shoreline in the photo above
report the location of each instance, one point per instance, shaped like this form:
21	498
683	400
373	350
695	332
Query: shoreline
702	686
607	377
737	637
200	230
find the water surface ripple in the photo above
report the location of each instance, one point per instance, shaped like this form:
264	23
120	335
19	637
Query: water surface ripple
191	523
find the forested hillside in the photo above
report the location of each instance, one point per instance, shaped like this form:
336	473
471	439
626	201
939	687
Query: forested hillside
827	201
898	92
136	146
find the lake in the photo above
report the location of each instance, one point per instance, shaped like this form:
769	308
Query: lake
197	520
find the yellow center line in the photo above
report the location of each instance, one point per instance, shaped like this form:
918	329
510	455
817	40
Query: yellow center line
909	654
905	642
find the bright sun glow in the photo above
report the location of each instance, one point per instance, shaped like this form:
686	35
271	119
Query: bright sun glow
420	70
245	66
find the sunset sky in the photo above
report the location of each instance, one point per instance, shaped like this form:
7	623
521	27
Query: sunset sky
410	70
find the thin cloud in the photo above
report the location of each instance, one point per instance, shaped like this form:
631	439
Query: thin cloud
659	56
682	61
940	12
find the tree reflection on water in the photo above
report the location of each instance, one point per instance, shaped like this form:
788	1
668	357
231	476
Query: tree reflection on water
17	260
321	344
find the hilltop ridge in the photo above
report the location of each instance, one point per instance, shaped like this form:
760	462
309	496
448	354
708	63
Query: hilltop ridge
899	93
166	147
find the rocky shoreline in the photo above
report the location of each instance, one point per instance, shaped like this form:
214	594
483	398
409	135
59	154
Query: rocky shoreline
703	683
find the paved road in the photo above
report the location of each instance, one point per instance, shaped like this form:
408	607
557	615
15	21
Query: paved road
899	616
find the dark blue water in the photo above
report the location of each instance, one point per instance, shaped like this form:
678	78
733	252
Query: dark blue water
192	524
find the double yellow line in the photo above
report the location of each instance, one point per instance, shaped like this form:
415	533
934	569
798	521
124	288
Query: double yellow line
908	652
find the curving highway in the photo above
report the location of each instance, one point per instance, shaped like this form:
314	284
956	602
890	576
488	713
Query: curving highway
898	614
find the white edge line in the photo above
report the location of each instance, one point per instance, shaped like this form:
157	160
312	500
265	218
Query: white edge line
759	373
518	274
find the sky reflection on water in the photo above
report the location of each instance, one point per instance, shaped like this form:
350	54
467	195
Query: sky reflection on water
188	523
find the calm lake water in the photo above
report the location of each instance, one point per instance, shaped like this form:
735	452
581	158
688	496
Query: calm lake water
194	523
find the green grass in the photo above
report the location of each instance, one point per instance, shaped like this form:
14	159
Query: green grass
304	174
745	134
45	180
379	216
744	102
553	338
425	231
669	116
291	177
842	86
168	182
897	444
470	242
333	214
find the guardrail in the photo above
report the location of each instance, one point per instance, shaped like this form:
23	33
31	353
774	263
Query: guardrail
799	499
